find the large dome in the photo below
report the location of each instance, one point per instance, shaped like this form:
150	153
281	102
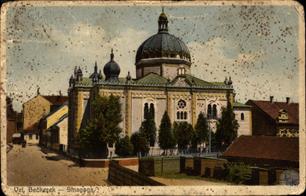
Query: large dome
163	44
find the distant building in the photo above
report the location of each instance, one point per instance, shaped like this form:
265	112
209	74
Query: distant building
275	118
270	156
163	83
243	114
11	116
53	129
35	109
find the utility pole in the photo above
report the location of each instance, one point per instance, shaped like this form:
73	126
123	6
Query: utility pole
209	140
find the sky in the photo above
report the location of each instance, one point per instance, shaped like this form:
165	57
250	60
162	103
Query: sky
256	45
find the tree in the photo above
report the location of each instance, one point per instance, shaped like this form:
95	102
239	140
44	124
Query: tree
165	137
201	129
148	130
227	127
124	147
103	126
140	144
183	133
148	127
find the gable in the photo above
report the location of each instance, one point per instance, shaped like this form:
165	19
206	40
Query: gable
180	82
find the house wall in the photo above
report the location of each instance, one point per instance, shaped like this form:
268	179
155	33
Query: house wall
63	132
11	129
33	111
245	126
133	101
262	124
171	70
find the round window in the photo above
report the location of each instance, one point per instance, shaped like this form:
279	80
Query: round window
181	104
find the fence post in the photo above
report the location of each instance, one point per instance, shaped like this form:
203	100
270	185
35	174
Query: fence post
162	165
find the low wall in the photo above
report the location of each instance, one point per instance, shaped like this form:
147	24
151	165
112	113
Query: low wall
105	162
208	166
122	176
157	166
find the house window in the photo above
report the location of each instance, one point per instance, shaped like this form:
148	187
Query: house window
185	115
212	111
214	114
242	116
209	111
149	111
181	71
30	136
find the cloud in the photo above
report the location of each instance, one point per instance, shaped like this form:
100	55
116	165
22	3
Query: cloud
81	46
212	63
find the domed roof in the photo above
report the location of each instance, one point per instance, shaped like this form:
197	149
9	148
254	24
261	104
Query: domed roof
163	44
111	69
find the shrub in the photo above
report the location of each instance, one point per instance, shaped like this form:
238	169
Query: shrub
238	173
124	147
140	144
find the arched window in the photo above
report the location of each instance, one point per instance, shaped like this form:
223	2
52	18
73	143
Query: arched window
181	110
152	111
209	111
242	116
146	111
214	113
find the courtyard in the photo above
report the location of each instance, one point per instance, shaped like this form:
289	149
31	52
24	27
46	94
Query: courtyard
31	167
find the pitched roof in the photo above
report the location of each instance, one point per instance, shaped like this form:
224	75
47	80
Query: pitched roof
56	99
240	105
152	78
272	109
155	80
264	147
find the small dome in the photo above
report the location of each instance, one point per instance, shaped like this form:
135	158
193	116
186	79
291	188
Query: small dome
111	69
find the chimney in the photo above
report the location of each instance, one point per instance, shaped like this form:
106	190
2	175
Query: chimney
271	99
60	93
287	100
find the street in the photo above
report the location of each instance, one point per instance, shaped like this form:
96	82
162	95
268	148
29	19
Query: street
30	167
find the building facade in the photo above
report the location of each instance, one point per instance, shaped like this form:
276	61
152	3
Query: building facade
273	118
35	109
163	82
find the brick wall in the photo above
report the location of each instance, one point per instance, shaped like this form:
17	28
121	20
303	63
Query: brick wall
121	176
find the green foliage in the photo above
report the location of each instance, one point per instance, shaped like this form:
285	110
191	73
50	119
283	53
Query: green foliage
238	173
103	126
148	130
183	133
166	137
140	144
201	129
124	147
227	127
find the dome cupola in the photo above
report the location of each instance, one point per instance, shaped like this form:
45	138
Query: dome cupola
162	23
161	49
111	69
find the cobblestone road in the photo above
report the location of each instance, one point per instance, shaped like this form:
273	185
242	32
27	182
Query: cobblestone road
29	166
